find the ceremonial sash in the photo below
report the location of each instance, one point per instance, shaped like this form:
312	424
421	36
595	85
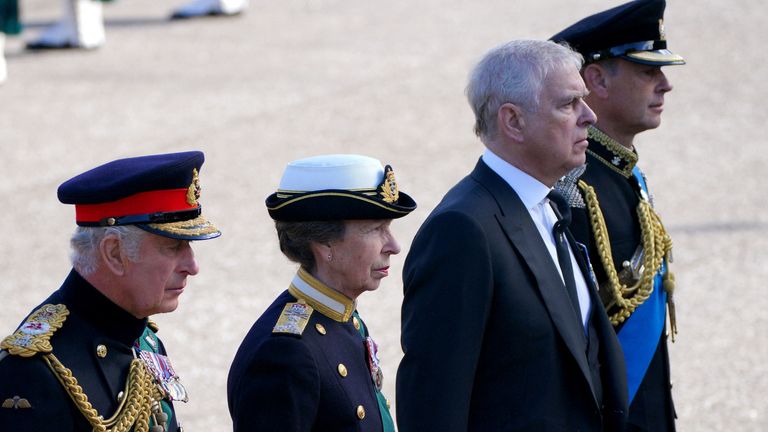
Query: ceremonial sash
639	336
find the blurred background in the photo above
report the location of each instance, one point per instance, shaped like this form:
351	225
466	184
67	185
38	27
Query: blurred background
295	78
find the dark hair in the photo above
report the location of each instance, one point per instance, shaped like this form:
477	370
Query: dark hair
295	238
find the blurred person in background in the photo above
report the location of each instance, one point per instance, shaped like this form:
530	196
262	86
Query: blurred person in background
309	362
9	25
82	21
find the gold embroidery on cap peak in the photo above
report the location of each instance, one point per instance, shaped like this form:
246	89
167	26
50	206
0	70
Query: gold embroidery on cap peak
193	193
389	191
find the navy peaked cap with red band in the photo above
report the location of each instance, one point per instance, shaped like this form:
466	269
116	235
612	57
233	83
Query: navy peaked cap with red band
157	193
633	31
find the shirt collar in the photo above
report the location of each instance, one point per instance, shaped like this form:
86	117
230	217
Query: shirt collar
321	297
531	191
609	152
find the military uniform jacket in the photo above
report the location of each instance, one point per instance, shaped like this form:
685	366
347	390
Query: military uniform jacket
491	340
609	172
308	372
95	342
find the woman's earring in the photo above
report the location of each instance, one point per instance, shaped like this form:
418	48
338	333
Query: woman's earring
330	257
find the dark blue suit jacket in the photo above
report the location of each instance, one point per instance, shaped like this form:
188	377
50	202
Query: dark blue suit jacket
490	338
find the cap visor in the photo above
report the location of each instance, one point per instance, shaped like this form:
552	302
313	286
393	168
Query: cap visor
659	57
198	228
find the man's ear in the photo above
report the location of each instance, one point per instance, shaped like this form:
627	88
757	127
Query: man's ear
597	79
111	254
511	121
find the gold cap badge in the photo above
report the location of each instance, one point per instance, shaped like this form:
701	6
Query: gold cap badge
193	192
389	191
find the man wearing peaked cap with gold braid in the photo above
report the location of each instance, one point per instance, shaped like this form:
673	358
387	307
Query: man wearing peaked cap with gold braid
625	48
88	358
309	363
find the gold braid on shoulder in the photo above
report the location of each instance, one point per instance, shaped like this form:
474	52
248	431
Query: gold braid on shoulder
657	244
135	408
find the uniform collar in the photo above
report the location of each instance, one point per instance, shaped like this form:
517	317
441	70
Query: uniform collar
90	304
321	297
609	152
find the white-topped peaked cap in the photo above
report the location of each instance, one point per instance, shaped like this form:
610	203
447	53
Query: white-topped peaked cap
337	171
338	187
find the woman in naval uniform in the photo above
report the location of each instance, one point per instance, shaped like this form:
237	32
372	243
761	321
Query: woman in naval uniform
308	363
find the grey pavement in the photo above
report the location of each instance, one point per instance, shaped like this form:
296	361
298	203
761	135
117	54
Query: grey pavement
294	78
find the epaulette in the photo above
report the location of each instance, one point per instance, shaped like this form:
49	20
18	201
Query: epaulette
153	326
293	319
34	335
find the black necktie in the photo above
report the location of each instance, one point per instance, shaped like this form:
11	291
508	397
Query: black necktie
563	212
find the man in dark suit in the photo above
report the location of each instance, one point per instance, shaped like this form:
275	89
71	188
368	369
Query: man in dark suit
625	48
502	328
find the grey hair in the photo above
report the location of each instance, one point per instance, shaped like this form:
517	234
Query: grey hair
296	237
85	245
514	73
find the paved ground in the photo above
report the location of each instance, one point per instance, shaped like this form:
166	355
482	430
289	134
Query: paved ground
296	78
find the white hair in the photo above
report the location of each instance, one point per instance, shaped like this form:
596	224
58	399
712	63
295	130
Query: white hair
85	245
514	73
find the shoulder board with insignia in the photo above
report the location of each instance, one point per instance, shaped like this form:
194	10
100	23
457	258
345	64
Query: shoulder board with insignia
34	335
293	319
153	326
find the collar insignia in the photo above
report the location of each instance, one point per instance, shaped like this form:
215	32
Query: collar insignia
610	153
193	192
388	189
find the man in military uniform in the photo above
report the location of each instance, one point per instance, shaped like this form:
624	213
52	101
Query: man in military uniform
88	358
625	48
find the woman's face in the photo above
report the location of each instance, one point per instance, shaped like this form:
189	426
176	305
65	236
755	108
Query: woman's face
360	260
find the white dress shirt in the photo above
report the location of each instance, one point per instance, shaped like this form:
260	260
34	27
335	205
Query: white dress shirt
534	193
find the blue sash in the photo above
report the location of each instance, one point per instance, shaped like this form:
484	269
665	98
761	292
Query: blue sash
640	334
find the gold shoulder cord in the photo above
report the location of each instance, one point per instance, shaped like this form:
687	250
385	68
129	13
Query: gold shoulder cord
142	393
134	410
657	245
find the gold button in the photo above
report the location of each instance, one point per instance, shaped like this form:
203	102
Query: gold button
342	370
360	412
320	329
101	351
388	407
111	221
356	322
120	396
